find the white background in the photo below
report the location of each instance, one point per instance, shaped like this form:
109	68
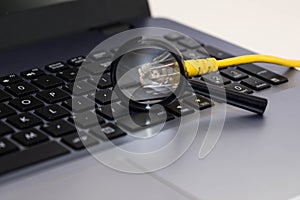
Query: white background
264	26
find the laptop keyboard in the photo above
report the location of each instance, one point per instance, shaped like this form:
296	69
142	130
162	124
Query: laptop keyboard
37	120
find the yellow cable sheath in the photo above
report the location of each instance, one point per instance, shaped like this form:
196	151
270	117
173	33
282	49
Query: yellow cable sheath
200	66
257	58
209	65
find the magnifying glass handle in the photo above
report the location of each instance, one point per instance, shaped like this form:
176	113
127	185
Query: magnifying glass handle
245	101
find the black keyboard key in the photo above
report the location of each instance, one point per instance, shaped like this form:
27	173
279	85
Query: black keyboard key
39	153
54	95
217	53
26	103
9	79
56	67
32	73
180	47
6	111
4	96
79	141
138	121
234	74
107	131
263	74
76	61
112	111
78	104
70	75
94	80
203	51
5	129
104	96
79	88
191	55
30	137
174	36
47	82
94	68
179	109
21	89
115	49
102	55
106	65
24	120
189	43
255	84
59	128
198	102
6	147
105	81
87	119
215	79
239	88
52	112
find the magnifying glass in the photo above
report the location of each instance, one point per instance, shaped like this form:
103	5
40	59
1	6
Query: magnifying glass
148	72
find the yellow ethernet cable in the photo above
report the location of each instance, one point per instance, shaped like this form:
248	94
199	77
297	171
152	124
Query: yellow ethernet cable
203	66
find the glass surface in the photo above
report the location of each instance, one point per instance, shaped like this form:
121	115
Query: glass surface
148	76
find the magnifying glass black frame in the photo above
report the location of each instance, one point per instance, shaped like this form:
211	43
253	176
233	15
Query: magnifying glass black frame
248	102
144	44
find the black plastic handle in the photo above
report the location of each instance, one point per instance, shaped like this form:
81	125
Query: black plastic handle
245	101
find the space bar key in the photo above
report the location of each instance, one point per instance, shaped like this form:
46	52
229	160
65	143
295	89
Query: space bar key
31	156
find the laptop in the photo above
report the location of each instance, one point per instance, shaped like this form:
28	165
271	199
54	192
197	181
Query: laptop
218	151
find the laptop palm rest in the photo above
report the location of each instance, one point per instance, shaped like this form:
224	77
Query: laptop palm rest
253	155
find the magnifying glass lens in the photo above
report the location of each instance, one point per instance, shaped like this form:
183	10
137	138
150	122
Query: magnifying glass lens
148	76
